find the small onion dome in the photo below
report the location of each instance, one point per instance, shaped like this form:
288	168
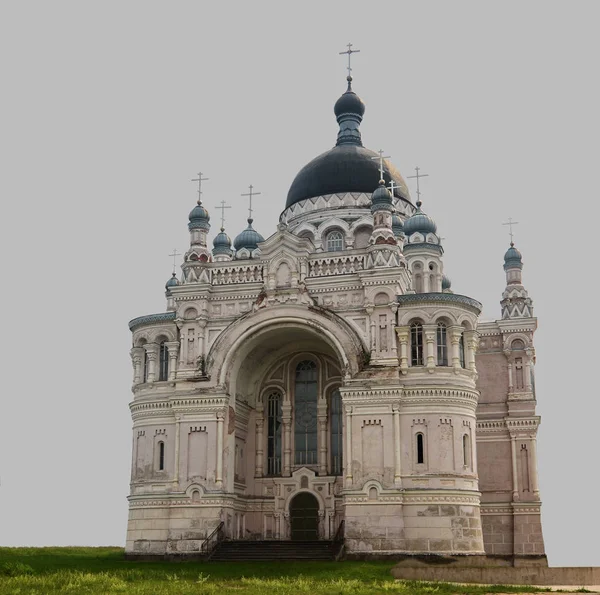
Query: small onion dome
381	199
248	239
199	218
397	225
222	243
349	103
513	259
419	222
446	283
172	282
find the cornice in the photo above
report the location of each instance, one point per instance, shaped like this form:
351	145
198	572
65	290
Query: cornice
412	299
150	319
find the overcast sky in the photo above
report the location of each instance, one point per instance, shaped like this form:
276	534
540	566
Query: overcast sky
108	109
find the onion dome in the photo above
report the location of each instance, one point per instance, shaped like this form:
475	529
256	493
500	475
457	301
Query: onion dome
397	225
248	239
419	222
348	167
446	283
381	199
222	243
199	218
513	259
349	103
172	282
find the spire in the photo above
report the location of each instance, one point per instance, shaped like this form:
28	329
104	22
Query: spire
349	110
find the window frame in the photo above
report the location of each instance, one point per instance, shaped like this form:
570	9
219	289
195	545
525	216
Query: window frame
417	351
339	240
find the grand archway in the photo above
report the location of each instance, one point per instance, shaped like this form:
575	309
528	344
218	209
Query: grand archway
304	517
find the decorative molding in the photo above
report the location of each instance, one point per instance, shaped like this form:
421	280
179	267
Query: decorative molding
410	299
150	319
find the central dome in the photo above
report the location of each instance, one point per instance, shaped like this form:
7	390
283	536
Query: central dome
345	168
348	167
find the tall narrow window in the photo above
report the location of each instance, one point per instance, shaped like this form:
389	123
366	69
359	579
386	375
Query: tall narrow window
335	241
416	344
145	371
305	414
163	362
335	417
461	351
161	456
466	450
442	344
274	434
420	449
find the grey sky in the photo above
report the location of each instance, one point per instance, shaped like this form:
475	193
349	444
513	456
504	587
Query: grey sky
108	109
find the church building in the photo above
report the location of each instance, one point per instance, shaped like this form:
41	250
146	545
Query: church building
327	382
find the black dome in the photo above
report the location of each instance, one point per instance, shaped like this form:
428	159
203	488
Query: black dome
345	168
349	103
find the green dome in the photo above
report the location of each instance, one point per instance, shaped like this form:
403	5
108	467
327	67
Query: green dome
419	222
248	239
513	259
397	225
199	218
446	283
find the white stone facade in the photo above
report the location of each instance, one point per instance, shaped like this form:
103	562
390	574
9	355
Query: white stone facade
339	366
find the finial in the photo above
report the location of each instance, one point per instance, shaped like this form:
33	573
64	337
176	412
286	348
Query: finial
200	179
175	254
381	170
510	223
251	193
418	176
349	51
222	209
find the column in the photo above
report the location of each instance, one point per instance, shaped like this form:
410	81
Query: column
528	358
219	472
286	420
455	333
152	353
403	333
429	332
533	469
393	339
201	339
513	444
173	347
348	453
259	443
397	459
322	438
508	355
137	357
471	340
177	440
426	282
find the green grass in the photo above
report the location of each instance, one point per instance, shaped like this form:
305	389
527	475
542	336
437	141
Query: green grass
79	571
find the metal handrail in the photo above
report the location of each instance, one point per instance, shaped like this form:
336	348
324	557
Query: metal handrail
213	540
339	534
338	541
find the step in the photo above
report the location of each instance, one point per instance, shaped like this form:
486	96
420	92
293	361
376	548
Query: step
273	550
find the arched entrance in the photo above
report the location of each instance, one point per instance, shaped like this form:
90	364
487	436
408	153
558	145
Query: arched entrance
304	517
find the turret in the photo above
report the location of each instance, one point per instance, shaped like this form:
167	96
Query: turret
516	302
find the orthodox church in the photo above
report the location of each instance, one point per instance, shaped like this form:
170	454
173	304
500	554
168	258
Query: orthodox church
327	382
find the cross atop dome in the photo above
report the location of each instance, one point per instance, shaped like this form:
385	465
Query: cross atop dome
200	179
349	51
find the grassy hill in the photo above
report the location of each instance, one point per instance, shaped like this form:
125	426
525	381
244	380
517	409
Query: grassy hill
102	570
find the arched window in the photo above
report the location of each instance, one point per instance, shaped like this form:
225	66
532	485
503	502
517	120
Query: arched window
335	417
442	344
416	344
305	414
161	456
145	370
420	448
461	351
274	433
335	241
466	450
163	361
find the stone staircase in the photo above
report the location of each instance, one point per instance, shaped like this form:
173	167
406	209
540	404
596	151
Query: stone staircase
247	551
